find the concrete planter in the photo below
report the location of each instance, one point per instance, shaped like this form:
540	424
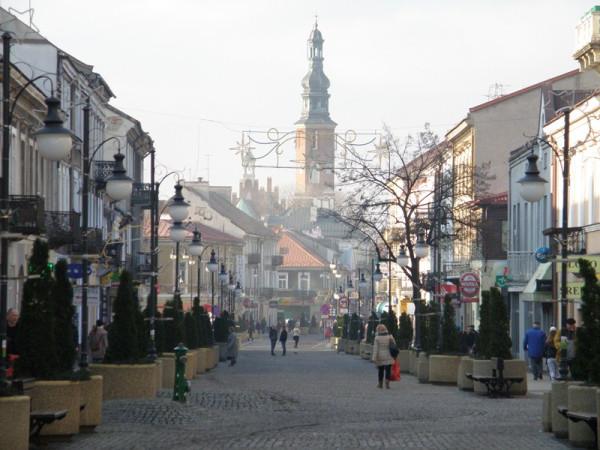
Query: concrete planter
158	374
54	396
342	344
547	412
91	396
215	354
465	366
481	368
403	360
335	342
168	370
443	369
222	351
126	380
423	368
560	426
304	331
201	360
14	422
412	362
349	347
191	364
581	399
367	351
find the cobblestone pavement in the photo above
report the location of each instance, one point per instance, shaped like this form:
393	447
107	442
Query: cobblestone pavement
317	399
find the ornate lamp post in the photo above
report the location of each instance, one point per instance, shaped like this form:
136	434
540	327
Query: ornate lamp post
376	277
533	187
212	267
54	142
362	283
223	280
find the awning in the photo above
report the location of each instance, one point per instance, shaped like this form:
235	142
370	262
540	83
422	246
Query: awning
530	293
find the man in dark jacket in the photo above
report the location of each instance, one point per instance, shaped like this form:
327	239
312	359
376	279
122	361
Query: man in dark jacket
533	344
283	339
273	339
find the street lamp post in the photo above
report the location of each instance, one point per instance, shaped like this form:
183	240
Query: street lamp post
212	267
118	187
421	250
54	143
362	283
376	277
196	249
532	190
222	279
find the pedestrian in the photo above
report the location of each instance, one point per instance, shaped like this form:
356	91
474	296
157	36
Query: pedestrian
232	346
550	351
12	322
251	332
98	341
283	339
534	344
471	340
383	344
571	335
273	339
296	336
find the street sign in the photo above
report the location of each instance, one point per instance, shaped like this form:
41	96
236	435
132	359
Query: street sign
469	285
501	281
75	270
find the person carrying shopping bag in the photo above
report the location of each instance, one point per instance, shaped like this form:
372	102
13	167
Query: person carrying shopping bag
384	348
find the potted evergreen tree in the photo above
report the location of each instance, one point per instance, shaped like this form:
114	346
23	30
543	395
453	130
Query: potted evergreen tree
581	397
126	372
202	336
405	336
47	306
353	335
221	330
429	322
443	367
344	324
191	342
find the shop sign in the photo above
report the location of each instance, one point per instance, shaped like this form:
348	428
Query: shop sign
469	287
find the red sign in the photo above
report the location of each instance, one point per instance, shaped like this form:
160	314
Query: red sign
469	285
448	288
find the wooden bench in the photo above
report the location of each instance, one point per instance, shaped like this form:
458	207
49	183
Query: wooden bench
591	419
38	419
497	385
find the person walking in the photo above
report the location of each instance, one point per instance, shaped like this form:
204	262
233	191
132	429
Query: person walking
251	332
283	338
273	339
534	344
381	354
232	346
550	351
296	336
98	341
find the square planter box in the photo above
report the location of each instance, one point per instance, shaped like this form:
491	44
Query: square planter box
547	412
581	398
403	360
215	354
367	350
191	364
341	345
126	380
158	374
512	368
304	331
464	367
168	370
335	342
14	422
222	351
201	360
423	368
443	369
91	396
412	362
54	396
560	426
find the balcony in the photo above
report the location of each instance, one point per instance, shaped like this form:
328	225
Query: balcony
141	195
62	228
102	170
253	259
295	293
576	242
521	266
266	293
95	243
26	214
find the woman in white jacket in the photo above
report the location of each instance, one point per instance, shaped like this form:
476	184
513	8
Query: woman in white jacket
381	354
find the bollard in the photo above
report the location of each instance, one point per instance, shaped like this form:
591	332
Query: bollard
181	387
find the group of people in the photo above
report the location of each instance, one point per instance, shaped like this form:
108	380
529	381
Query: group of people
282	336
538	346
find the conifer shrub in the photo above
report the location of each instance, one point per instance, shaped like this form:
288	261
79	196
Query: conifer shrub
586	366
430	323
391	322
221	327
140	325
345	326
37	338
191	331
65	333
123	345
449	331
405	332
354	333
174	328
371	325
494	338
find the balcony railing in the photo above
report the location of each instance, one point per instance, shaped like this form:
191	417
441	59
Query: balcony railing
26	214
254	258
62	228
521	265
102	170
266	292
141	195
95	242
295	293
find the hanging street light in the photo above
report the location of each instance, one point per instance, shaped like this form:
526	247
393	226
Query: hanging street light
532	186
119	185
195	248
377	275
421	247
402	258
177	232
178	207
54	142
362	283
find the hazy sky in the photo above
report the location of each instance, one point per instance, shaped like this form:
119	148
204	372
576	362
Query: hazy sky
196	73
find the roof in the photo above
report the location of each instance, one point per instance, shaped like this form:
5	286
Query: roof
524	90
209	235
296	255
247	207
237	217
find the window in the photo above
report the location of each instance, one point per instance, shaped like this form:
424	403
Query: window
282	280
304	281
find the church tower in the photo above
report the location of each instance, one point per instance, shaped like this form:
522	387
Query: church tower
315	132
